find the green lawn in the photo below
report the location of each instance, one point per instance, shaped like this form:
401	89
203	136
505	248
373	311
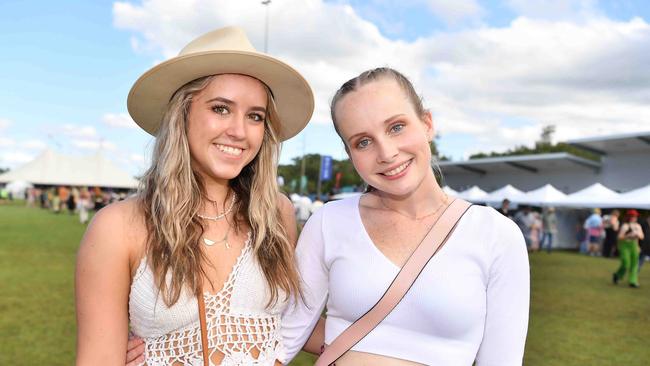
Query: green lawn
577	317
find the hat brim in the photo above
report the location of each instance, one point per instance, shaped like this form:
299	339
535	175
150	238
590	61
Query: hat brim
293	96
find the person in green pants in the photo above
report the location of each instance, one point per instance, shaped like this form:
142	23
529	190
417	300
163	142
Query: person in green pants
628	249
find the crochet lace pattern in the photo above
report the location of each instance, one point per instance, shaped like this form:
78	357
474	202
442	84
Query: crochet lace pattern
240	337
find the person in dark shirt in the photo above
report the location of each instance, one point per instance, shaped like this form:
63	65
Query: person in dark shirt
505	208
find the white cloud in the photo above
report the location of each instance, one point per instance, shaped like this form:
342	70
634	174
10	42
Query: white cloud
453	12
94	145
4	123
585	77
118	120
6	142
33	144
15	157
555	9
72	130
137	158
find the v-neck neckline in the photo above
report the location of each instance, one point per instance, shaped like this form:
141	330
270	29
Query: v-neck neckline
366	236
368	239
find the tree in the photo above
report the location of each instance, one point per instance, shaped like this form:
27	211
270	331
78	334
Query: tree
434	150
291	172
542	146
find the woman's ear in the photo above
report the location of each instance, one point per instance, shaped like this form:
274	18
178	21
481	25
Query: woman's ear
427	119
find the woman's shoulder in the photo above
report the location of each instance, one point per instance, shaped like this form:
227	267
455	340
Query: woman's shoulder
126	214
486	222
284	203
120	224
344	204
489	216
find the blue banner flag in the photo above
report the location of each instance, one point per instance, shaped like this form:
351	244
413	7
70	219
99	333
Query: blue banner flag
325	168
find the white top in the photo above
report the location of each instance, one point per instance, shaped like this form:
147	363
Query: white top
470	302
238	322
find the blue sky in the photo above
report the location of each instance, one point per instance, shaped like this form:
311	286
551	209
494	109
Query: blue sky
492	72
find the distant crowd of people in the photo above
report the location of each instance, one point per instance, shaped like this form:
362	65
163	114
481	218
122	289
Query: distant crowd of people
628	239
539	228
74	200
610	235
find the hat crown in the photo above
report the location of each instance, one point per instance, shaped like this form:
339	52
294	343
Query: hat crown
224	39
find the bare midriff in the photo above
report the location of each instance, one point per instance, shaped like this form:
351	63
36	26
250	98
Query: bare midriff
355	358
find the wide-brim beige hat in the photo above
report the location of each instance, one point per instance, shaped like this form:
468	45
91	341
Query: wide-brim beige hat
223	51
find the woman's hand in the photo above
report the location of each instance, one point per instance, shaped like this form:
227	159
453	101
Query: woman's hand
316	339
134	351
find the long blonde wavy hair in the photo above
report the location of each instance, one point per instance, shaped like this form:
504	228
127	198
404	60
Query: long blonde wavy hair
171	195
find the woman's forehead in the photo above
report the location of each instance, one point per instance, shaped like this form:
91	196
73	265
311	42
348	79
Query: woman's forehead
375	100
235	87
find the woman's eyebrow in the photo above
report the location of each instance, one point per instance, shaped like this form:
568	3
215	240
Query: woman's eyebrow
222	100
386	121
232	102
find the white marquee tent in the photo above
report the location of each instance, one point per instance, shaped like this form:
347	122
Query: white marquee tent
547	195
51	168
449	191
596	195
637	198
18	187
473	194
507	191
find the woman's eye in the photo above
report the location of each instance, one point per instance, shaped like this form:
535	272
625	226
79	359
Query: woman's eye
220	109
397	127
363	143
256	117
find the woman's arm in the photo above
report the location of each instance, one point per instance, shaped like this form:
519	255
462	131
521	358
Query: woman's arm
622	234
102	282
301	317
639	231
316	339
288	215
508	301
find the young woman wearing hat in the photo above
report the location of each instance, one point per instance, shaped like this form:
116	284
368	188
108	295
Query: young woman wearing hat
208	225
628	249
470	303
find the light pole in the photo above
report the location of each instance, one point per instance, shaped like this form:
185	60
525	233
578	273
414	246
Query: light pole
266	26
301	189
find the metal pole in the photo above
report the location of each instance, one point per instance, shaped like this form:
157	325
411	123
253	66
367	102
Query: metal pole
302	163
320	169
266	26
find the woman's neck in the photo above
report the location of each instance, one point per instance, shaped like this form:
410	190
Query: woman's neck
428	196
216	198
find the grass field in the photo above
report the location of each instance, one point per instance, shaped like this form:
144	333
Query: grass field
577	316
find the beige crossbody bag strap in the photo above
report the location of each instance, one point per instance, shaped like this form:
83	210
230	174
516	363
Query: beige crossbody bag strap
204	330
427	248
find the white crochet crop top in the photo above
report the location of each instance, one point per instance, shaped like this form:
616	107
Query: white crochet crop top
240	326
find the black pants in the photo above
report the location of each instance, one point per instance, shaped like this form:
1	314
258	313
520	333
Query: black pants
609	246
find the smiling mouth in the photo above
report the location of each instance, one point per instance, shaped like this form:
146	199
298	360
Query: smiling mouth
230	150
397	170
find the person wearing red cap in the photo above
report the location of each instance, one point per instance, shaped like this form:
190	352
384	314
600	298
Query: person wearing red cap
628	248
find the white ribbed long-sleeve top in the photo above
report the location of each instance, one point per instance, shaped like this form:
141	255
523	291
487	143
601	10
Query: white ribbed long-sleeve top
469	303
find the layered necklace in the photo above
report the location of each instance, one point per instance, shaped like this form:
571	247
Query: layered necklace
416	218
207	241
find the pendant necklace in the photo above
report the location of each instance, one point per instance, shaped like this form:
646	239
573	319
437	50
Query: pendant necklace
210	243
442	204
224	213
224	240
